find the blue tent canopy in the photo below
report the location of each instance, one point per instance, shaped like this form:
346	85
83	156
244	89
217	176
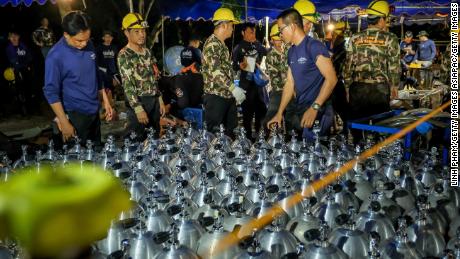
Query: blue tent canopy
258	9
25	2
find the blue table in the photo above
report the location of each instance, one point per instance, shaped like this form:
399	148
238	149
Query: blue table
361	124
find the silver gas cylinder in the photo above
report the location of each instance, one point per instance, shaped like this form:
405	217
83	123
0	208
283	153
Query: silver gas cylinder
322	248
303	227
400	246
348	238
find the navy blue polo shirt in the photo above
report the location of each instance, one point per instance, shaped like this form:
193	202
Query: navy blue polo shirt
307	77
72	78
407	57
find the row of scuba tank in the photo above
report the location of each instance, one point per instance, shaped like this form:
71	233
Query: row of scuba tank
191	188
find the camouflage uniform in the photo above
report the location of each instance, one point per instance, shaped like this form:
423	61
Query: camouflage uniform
277	68
373	58
372	67
45	37
217	68
140	87
218	76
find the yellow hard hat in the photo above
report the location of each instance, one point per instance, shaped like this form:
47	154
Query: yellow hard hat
8	74
275	32
340	27
81	199
307	9
378	8
224	14
134	21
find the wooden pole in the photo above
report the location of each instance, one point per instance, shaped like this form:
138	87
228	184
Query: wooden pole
131	6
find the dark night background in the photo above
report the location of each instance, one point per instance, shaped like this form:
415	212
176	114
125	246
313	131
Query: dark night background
107	14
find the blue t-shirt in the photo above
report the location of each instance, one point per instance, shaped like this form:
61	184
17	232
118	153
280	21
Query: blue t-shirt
426	51
18	56
72	78
307	77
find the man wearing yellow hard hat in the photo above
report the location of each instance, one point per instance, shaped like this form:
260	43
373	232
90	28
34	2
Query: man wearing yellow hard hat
309	16
139	76
221	95
372	68
276	70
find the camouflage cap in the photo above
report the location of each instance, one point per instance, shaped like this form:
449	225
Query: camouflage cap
422	33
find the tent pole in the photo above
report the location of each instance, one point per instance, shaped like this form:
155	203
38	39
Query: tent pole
322	26
233	44
402	27
141	7
359	23
148	10
163	41
246	10
402	30
266	32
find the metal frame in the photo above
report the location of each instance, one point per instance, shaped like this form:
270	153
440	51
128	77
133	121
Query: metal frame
358	124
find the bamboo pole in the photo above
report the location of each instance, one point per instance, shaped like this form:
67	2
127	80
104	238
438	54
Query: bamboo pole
141	7
149	9
131	6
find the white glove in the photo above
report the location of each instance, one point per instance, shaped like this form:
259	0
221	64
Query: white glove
239	94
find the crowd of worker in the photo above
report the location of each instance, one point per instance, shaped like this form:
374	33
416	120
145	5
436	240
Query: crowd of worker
293	82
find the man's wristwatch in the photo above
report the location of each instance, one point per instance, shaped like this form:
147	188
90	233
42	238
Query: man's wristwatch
316	106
